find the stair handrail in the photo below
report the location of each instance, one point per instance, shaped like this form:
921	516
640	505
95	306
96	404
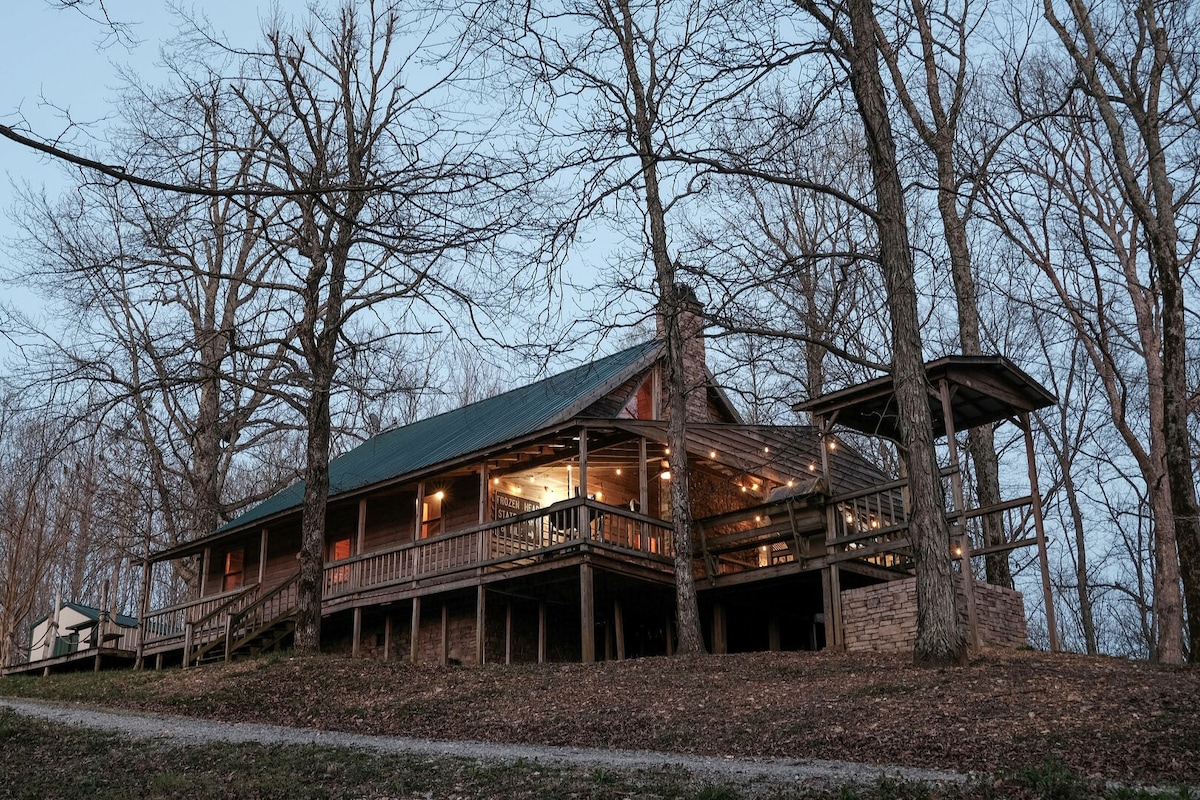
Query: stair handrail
224	606
237	617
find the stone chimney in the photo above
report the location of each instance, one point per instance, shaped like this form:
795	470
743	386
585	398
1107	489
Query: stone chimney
691	326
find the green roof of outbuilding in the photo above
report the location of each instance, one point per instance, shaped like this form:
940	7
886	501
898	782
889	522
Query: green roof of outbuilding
124	620
466	430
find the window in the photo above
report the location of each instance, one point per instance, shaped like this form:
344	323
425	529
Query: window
339	551
431	515
234	570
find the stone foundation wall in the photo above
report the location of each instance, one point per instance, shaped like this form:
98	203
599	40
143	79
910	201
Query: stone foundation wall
883	618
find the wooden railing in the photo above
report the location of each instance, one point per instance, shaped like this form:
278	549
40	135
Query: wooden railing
502	544
275	605
170	623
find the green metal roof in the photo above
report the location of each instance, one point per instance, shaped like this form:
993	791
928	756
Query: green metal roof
466	430
123	620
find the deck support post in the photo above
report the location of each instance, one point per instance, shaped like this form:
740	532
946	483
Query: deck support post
480	625
262	556
144	610
619	629
387	637
587	615
483	493
415	631
720	643
960	508
158	659
667	633
360	543
445	655
773	633
1035	495
205	566
508	632
354	645
831	594
542	632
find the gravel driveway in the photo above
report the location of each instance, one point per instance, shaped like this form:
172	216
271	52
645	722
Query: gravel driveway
186	731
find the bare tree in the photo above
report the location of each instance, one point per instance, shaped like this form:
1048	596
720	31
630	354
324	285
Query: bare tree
852	31
615	90
1058	200
378	201
1133	63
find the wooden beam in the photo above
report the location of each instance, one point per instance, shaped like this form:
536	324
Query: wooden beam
414	631
1043	557
720	644
619	629
670	639
354	646
508	632
480	625
773	633
445	654
960	508
262	556
541	657
360	543
205	566
483	492
587	615
387	637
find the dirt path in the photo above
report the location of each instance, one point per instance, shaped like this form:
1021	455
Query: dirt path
186	731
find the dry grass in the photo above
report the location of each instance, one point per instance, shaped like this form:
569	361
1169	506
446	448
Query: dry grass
1099	717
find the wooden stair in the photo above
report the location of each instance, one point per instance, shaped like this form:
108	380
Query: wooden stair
258	627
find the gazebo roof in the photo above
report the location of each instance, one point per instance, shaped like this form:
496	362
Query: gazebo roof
983	390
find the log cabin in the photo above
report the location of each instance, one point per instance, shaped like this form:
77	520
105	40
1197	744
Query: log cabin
535	526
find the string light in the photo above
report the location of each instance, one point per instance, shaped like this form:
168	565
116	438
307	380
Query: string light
712	454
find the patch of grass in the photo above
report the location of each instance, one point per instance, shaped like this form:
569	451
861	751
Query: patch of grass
105	765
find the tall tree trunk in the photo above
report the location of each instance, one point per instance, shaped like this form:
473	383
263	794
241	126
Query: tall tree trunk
939	641
687	610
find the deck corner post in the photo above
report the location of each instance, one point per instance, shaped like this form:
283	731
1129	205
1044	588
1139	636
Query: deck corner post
587	614
414	637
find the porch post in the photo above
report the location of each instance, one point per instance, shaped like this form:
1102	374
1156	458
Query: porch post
483	492
143	610
587	615
960	506
419	516
720	644
619	629
361	542
387	636
583	452
357	632
542	632
1035	495
445	658
205	566
262	557
414	631
480	624
643	500
508	632
773	633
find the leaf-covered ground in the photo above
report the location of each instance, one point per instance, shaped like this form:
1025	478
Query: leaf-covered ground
1102	717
